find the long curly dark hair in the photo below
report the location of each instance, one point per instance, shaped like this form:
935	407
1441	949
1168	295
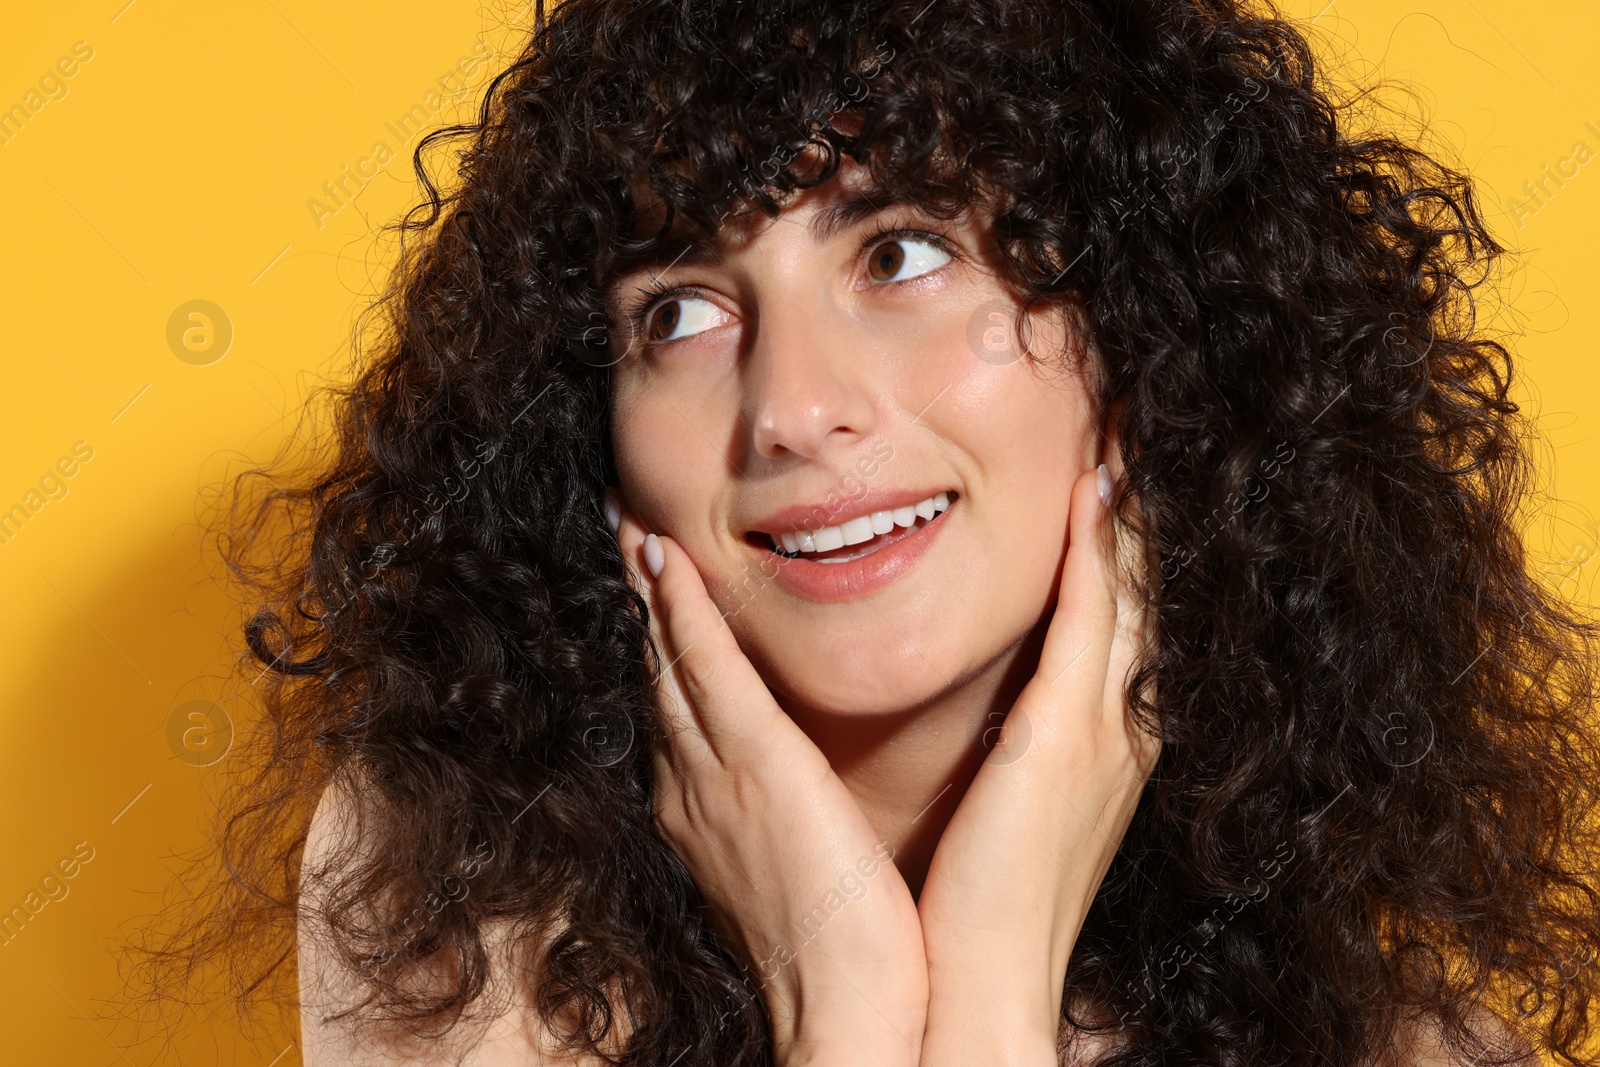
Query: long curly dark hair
1377	784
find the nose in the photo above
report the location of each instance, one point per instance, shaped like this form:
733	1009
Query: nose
808	387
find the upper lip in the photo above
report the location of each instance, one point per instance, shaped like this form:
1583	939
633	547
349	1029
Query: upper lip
814	516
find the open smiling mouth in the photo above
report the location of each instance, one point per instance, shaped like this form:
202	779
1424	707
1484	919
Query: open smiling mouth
858	537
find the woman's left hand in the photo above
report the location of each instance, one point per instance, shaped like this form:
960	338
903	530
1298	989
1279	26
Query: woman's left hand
1018	865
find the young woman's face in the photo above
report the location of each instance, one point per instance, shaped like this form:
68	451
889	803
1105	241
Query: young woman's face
811	374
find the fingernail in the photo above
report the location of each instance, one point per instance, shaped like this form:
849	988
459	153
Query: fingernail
613	509
1103	481
654	557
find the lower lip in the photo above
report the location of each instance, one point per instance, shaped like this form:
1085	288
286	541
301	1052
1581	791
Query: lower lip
831	582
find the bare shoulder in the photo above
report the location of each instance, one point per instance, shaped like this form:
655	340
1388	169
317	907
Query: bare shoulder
501	1028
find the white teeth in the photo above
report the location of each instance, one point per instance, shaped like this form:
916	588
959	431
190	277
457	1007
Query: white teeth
862	528
857	530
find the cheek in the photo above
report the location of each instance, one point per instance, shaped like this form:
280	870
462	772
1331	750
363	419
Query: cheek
1019	381
1026	432
670	474
655	461
1026	560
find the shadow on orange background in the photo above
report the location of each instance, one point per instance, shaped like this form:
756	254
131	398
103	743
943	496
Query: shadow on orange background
188	155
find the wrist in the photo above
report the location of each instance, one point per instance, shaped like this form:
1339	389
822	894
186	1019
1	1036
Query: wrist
991	1043
850	1046
995	1032
849	1054
1011	976
826	1024
1003	1010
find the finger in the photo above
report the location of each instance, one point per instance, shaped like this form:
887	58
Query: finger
1124	557
1128	553
1078	642
683	736
735	708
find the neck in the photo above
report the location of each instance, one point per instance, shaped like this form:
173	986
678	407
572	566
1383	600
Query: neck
909	769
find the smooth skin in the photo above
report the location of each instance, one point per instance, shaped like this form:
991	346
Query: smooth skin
793	365
975	967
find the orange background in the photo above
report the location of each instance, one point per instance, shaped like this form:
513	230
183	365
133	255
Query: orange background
179	161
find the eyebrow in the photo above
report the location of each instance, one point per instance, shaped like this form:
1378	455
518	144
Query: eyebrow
851	209
825	225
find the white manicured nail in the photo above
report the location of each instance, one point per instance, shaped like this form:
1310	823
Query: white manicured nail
654	557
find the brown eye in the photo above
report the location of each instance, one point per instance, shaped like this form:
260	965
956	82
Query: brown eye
680	317
663	320
905	258
886	261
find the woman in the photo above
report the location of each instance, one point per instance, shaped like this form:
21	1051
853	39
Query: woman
914	532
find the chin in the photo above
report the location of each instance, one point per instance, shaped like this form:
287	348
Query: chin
860	675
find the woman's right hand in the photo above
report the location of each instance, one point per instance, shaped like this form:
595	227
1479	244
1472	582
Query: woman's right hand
795	875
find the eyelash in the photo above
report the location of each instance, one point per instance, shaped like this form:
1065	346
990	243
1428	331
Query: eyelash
638	307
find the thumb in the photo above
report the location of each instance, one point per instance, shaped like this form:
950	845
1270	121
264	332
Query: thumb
733	705
708	692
